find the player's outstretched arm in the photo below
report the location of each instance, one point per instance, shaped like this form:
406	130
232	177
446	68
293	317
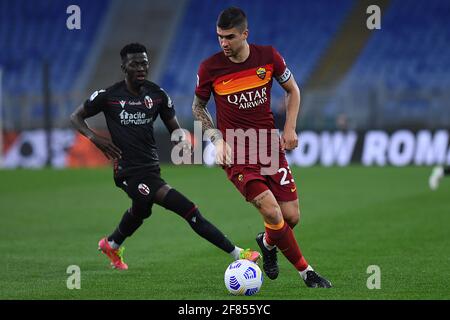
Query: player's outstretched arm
78	119
201	113
289	138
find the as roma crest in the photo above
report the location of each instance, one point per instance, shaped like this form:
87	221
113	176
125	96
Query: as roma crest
148	102
261	73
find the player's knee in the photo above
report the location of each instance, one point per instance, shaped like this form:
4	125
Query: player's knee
293	220
178	203
141	210
194	218
146	214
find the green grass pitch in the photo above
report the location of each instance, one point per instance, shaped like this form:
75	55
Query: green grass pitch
351	218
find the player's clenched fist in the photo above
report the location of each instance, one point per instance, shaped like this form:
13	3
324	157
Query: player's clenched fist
223	152
289	140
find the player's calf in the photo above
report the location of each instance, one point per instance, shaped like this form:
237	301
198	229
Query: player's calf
130	222
268	207
182	206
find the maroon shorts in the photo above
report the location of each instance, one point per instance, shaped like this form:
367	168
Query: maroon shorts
281	184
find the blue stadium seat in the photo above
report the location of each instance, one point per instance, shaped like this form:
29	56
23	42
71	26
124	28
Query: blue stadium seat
34	31
410	51
405	61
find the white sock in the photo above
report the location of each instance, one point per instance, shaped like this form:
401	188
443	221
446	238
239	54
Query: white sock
303	273
268	246
236	253
114	245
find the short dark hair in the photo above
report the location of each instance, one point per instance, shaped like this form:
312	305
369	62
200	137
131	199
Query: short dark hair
232	17
132	48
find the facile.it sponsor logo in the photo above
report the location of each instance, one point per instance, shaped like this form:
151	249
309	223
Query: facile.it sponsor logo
137	118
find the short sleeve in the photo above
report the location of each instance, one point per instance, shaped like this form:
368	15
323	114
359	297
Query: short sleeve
96	102
281	71
204	83
166	110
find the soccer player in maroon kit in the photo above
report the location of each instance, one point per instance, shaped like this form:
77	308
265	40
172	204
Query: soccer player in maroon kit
240	78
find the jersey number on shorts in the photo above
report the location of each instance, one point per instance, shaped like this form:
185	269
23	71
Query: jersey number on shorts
283	180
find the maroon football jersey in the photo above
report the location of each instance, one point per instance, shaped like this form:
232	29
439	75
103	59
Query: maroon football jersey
242	92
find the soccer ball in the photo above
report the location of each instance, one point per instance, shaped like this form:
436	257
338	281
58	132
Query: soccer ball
243	277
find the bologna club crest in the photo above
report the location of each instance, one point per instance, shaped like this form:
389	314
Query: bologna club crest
148	102
144	189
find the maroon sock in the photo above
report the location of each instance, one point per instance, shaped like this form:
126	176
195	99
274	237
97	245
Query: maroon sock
281	235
